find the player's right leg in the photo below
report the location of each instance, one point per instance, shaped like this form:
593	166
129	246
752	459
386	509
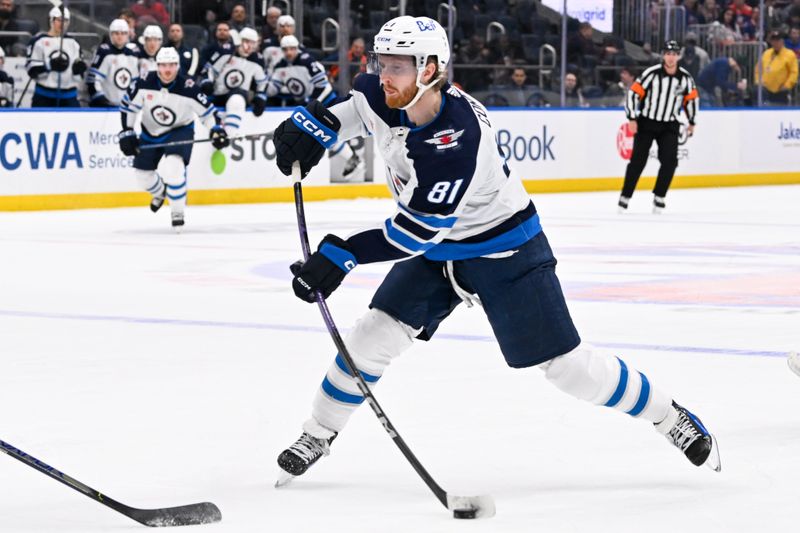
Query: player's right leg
234	111
144	165
410	303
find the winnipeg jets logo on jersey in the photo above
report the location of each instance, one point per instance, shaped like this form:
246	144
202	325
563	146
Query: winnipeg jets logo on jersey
233	79
445	139
43	49
122	78
163	115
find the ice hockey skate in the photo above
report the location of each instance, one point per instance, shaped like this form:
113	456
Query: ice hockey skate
352	164
297	458
158	200
177	221
658	204
690	436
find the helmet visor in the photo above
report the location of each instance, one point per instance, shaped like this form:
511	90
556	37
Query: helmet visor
391	65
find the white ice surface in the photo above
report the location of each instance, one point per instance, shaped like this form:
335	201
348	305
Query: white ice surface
168	369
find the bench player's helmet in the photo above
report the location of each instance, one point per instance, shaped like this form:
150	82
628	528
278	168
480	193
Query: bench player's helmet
420	38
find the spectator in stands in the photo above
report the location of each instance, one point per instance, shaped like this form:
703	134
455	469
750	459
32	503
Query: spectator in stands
8	22
716	89
791	13
693	58
475	53
222	35
748	26
710	11
693	13
238	19
503	52
725	32
150	12
518	90
581	48
573	92
270	28
617	92
190	57
6	84
793	41
779	71
740	9
357	54
203	13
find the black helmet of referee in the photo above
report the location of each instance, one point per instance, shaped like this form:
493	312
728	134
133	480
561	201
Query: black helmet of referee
671	46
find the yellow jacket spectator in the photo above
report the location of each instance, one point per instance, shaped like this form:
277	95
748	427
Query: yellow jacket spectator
779	67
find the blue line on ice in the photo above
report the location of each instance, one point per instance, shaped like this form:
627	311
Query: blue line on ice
316	329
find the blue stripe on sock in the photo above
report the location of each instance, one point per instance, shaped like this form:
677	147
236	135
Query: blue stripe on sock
176	187
644	397
340	395
621	386
367	377
178	197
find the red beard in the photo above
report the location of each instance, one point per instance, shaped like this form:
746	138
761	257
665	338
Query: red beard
402	98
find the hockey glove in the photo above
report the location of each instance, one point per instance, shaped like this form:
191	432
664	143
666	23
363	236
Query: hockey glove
128	142
78	68
304	137
207	87
35	72
59	64
324	270
219	139
258	106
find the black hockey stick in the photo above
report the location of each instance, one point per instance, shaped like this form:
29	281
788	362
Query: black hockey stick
462	506
198	141
185	515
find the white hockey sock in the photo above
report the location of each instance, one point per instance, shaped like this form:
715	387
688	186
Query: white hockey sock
374	341
149	180
607	381
234	110
174	173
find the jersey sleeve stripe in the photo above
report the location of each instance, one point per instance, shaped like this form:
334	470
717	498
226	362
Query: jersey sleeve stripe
431	220
397	237
423	232
95	71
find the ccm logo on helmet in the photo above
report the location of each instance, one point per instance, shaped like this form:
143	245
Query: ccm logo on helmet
313	128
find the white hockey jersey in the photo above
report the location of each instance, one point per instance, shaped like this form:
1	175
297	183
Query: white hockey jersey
147	63
6	90
456	197
299	81
111	72
165	108
42	49
230	71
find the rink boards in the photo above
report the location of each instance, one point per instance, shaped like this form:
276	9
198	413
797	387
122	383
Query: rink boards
52	159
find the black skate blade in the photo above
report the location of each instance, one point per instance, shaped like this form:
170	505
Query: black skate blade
465	507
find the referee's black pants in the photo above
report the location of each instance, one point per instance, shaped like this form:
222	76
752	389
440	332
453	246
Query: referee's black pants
666	135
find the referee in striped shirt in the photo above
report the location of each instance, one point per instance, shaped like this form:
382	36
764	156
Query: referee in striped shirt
653	104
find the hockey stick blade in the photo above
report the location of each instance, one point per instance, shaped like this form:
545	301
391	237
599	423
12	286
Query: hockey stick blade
185	515
471	506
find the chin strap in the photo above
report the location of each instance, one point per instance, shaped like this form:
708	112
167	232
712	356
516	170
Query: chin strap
421	88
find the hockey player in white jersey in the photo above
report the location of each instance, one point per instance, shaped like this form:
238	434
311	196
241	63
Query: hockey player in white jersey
113	68
464	230
6	84
298	78
168	104
271	48
230	74
55	66
149	44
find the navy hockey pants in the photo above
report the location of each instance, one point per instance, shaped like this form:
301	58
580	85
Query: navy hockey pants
520	294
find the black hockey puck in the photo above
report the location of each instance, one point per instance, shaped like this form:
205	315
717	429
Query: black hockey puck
464	513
